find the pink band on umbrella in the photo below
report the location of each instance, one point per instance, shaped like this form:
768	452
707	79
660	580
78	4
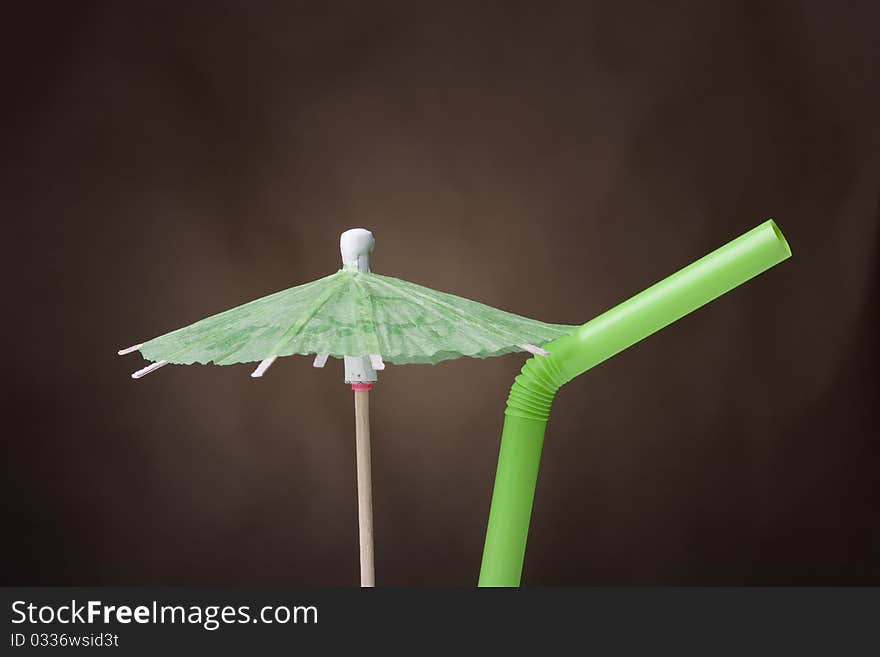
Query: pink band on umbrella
361	386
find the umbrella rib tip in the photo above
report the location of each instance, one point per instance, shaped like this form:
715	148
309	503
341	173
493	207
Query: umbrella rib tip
149	368
128	350
262	367
532	349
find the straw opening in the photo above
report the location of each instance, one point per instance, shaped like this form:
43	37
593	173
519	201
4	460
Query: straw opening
780	237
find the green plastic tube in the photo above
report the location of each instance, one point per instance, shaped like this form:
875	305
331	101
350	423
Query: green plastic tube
528	405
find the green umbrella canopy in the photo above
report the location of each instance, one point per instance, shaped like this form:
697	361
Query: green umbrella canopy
353	312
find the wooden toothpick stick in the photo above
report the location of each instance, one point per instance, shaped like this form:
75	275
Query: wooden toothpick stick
365	484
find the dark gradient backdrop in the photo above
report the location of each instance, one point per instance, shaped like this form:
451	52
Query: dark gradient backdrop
167	161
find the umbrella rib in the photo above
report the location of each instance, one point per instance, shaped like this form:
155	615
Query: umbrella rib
372	318
149	368
490	328
264	365
532	349
320	360
128	350
295	330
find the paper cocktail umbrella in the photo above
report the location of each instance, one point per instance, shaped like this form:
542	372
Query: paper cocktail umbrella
365	319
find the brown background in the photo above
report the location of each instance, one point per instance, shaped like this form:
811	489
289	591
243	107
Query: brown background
170	161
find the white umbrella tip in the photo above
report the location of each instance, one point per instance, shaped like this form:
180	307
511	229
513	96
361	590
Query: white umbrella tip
354	244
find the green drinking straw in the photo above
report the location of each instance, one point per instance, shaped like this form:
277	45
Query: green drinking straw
528	406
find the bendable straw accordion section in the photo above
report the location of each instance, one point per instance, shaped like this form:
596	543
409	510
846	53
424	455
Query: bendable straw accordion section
533	390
